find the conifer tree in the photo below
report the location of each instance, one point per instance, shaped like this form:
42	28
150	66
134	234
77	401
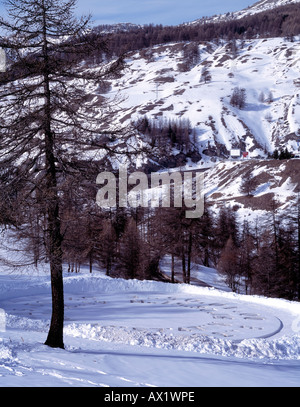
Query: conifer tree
48	122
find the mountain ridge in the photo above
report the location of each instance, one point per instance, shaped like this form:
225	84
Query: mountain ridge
258	7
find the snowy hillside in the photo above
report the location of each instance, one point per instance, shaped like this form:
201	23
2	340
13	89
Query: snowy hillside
258	7
274	181
145	334
268	69
264	5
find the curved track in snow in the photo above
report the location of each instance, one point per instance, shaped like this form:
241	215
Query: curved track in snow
159	315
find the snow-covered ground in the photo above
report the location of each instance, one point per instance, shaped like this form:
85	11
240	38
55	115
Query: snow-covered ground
257	7
140	334
265	68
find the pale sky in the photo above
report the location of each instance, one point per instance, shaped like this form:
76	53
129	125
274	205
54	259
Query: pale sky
166	12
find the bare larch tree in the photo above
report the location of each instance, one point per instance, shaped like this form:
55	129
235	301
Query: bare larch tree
51	116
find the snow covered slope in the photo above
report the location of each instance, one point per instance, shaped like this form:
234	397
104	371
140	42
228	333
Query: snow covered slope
264	5
274	180
258	7
144	334
268	69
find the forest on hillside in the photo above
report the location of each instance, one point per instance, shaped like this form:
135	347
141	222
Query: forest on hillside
282	21
260	257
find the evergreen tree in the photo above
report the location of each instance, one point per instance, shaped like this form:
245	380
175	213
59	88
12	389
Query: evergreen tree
238	98
205	75
131	251
247	254
249	184
229	264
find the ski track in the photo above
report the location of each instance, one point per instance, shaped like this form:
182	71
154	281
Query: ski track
114	328
223	323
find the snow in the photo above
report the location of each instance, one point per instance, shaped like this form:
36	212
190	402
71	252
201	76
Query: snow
130	333
258	7
158	89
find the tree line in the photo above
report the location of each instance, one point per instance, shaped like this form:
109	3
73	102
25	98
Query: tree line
264	258
172	141
259	257
282	21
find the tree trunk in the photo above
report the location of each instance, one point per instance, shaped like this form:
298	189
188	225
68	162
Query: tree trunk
55	335
190	242
298	225
91	261
183	265
173	269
